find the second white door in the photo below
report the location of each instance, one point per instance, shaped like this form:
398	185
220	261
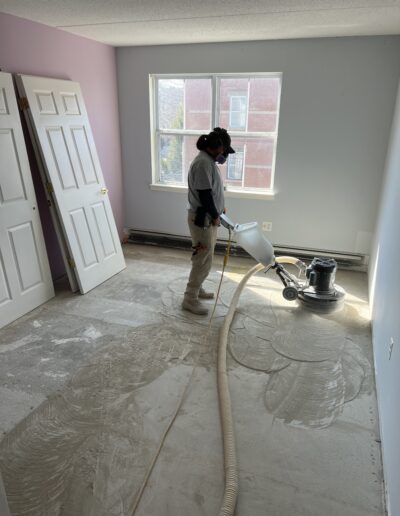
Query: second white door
65	142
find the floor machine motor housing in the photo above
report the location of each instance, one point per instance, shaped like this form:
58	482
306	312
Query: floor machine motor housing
319	292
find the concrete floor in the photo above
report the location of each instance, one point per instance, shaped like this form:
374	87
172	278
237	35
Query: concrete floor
88	385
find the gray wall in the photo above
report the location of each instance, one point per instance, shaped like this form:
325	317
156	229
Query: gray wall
384	301
336	109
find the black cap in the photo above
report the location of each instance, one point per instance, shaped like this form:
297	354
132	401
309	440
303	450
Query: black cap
225	138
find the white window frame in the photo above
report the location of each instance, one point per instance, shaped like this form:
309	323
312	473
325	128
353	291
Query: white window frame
155	132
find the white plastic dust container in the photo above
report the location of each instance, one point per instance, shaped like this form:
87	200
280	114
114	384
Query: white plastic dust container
250	237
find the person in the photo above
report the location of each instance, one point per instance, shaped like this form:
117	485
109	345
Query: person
206	203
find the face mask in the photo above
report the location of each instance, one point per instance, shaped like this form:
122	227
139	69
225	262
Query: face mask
220	159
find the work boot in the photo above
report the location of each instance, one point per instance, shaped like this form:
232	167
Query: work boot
203	294
194	306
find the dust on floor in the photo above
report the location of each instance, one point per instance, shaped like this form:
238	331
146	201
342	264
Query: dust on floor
92	382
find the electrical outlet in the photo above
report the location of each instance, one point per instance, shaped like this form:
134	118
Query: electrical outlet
267	226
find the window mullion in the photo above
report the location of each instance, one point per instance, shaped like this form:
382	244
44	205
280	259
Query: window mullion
157	156
247	105
156	108
243	164
181	132
155	146
242	134
215	101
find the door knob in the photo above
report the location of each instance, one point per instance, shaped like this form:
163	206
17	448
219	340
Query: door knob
104	190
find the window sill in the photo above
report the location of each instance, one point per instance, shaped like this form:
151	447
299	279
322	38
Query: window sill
242	194
250	194
168	188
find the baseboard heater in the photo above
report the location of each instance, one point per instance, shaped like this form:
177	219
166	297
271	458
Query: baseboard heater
350	261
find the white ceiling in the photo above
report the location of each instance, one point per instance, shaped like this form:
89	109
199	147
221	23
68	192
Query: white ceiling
154	22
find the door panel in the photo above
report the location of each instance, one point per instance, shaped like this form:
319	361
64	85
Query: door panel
26	258
88	253
85	157
3	102
104	229
71	104
62	130
5	293
11	183
61	157
25	279
46	103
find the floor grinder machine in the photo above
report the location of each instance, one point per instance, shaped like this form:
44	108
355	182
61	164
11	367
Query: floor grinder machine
317	291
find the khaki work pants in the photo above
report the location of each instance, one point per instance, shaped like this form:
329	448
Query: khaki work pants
203	241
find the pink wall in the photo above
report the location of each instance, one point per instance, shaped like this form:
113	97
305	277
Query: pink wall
31	48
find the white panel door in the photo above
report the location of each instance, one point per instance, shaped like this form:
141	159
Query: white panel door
25	279
62	129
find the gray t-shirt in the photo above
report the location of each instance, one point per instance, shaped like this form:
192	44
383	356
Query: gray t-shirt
205	175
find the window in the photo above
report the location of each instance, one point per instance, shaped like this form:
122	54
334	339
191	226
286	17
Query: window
184	107
238	112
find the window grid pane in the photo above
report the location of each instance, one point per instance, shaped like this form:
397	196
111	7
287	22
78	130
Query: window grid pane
238	112
235	166
171	159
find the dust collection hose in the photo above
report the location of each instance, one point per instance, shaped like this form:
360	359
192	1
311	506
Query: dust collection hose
225	406
228	434
290	260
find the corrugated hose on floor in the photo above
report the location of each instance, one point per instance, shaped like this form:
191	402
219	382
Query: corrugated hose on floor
231	487
225	407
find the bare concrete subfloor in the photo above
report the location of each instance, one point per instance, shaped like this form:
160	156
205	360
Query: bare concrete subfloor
88	385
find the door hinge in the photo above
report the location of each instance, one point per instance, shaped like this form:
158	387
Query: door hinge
48	202
23	103
71	263
49	187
